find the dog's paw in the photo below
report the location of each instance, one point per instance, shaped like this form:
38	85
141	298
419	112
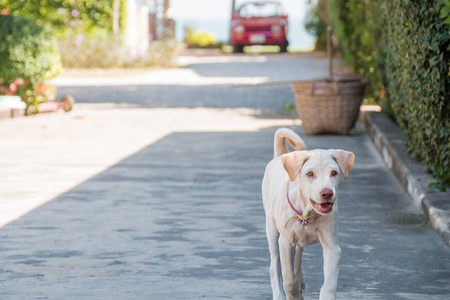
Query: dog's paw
301	283
327	294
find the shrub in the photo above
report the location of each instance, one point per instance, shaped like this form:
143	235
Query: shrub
196	39
316	23
200	39
63	14
417	69
361	37
358	26
100	49
29	57
403	48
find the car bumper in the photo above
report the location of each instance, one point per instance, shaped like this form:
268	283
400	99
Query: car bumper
257	38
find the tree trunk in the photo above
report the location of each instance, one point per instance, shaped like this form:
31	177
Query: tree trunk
115	16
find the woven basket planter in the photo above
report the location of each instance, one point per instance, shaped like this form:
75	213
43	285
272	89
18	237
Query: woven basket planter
329	105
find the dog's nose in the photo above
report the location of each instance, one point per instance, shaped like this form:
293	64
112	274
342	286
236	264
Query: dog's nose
326	194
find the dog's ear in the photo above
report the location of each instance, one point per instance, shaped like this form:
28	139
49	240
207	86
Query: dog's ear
293	162
345	161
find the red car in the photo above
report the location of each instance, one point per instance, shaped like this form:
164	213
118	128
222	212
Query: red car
259	23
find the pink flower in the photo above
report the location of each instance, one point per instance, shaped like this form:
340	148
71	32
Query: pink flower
13	87
41	89
4	11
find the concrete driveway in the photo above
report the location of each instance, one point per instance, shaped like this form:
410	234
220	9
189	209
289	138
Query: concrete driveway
200	82
122	199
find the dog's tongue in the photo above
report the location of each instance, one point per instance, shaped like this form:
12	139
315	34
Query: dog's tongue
322	207
325	207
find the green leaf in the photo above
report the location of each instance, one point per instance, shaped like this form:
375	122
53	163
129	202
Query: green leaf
432	187
441	187
445	11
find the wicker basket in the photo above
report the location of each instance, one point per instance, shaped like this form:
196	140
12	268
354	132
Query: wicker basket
329	105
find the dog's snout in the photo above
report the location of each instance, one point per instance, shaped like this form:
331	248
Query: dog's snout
326	194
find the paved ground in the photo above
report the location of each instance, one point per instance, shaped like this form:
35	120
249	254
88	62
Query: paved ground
201	82
165	204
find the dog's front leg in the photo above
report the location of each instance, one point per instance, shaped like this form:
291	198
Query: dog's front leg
298	267
290	281
331	260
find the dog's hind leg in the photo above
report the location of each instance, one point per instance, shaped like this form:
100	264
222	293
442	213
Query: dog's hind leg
298	267
276	279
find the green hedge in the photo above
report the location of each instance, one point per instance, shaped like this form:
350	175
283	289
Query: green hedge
418	79
360	37
357	24
316	23
403	48
29	53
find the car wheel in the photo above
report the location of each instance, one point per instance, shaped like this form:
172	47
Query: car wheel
68	102
283	47
238	48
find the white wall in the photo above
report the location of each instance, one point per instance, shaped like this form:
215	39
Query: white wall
136	33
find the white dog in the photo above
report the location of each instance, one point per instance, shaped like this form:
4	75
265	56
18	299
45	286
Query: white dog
299	196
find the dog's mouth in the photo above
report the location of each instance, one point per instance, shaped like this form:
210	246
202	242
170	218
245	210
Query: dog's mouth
323	208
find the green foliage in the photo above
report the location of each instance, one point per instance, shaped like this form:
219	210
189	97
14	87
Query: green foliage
103	50
85	31
200	39
417	64
403	48
29	57
288	107
316	23
444	11
196	39
364	43
98	49
356	25
432	187
63	14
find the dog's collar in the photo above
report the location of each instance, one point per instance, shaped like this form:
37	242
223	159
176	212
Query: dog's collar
303	220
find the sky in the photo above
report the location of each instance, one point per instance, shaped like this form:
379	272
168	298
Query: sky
220	9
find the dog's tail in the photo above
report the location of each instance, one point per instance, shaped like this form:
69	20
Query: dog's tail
280	146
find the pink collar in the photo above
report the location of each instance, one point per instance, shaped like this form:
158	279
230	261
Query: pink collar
301	219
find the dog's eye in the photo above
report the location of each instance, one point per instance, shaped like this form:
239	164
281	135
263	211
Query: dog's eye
334	173
310	174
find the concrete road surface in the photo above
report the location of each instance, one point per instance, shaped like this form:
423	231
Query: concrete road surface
119	201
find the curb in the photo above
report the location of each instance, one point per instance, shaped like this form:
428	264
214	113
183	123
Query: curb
387	139
11	113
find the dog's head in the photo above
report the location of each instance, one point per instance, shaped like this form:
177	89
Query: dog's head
318	174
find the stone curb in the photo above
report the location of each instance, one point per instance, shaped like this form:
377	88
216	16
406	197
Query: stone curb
9	113
387	139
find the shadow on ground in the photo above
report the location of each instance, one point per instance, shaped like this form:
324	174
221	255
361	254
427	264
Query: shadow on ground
183	219
180	96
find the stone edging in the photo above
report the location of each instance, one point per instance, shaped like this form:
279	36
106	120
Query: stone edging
8	113
386	137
